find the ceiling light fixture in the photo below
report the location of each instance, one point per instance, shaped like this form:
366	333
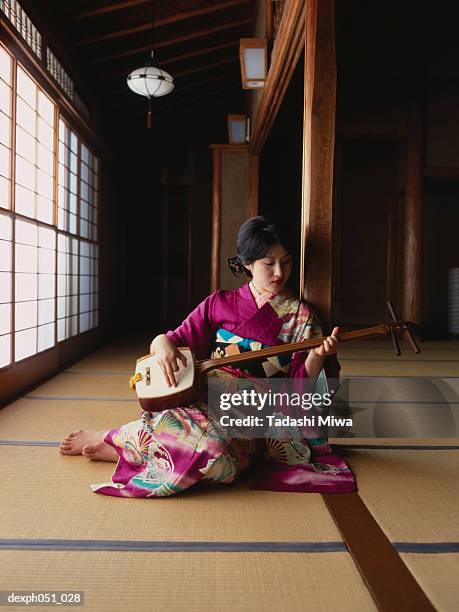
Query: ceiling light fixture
150	81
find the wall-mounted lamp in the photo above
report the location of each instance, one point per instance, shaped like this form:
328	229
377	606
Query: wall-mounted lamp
238	129
253	55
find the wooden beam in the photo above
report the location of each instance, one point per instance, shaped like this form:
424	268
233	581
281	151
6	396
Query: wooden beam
144	27
173	41
229	60
109	8
412	260
286	53
318	150
176	58
204	94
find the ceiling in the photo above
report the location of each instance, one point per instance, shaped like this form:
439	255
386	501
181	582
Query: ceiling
197	41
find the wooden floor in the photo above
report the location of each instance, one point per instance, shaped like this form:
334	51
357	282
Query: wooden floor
226	548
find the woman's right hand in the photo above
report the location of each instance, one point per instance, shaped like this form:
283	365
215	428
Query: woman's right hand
168	358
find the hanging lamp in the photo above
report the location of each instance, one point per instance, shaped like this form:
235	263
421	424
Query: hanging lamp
150	81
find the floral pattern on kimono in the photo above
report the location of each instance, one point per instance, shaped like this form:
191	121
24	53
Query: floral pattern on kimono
167	452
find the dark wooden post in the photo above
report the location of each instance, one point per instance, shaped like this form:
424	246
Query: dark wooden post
412	260
318	151
254	180
216	218
391	255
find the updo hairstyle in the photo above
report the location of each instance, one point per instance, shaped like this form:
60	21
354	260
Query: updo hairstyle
254	240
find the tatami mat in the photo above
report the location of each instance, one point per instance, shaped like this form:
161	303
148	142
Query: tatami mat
366	367
51	420
377	358
194	581
118	357
406	442
437	575
86	386
47	485
413	495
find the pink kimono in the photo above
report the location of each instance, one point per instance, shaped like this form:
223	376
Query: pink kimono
167	452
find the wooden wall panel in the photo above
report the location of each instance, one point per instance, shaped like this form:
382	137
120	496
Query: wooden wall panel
318	151
235	204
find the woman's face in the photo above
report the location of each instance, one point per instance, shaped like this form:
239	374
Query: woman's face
272	271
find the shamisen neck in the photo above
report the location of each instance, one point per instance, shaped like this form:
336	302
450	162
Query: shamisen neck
283	349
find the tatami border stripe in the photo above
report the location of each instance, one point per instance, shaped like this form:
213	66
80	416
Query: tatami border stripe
204	546
79	399
427	547
396	446
125	399
170	546
96	373
383	376
27	443
404	402
343	359
338	446
126	373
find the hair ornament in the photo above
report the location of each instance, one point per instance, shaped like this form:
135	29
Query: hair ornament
235	265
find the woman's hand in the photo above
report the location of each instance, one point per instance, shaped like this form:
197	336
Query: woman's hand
168	357
316	356
329	346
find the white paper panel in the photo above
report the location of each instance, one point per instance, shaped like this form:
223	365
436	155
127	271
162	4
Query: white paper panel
46	286
25	258
45	311
5	256
5	287
25	343
25	286
5	350
25	315
5	318
26	232
45	336
46	261
25	201
26	87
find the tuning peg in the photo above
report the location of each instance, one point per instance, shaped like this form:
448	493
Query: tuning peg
395	343
406	330
391	311
392	334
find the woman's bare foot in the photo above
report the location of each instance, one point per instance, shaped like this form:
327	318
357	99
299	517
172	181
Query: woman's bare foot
100	451
74	442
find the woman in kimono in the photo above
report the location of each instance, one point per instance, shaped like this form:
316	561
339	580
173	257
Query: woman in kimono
167	452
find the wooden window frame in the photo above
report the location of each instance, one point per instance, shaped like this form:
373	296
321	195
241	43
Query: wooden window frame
59	113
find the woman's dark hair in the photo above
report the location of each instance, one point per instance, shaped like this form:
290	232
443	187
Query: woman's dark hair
255	238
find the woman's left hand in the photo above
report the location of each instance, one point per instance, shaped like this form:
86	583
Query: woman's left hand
329	345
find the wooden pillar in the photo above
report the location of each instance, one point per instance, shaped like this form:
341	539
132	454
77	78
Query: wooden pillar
391	255
318	151
254	180
412	230
216	218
